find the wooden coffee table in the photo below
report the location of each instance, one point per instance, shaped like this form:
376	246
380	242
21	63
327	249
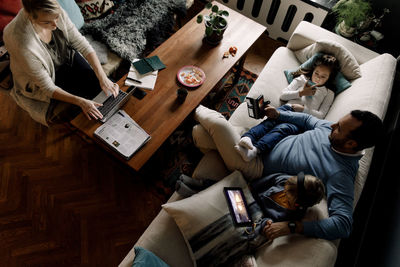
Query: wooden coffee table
158	113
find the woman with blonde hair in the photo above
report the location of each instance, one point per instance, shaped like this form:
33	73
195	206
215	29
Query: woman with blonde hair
48	69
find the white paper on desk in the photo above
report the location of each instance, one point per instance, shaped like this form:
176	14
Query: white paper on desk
148	80
122	134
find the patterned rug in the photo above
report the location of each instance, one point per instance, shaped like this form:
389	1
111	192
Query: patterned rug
179	154
234	95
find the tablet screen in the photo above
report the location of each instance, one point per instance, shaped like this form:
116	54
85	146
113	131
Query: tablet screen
237	205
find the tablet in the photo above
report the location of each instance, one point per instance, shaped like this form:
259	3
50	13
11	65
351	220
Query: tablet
238	206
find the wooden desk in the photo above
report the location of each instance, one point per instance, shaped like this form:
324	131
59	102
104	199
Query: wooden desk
158	112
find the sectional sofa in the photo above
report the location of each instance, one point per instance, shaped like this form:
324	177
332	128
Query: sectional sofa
370	91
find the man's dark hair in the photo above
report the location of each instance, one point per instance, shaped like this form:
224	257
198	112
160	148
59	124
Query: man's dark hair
369	132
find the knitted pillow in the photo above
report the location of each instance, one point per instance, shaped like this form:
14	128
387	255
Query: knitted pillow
91	9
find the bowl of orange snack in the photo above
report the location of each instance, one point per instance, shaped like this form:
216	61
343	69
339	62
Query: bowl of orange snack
191	76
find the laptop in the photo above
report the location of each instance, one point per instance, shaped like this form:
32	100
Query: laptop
112	104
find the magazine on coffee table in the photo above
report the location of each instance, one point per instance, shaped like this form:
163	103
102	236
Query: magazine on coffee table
122	134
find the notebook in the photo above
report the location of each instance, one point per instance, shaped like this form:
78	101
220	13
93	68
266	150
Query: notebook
147	81
112	104
149	64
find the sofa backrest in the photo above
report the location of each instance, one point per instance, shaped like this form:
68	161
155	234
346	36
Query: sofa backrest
370	92
307	33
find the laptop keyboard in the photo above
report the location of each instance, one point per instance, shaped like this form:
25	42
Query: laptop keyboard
110	103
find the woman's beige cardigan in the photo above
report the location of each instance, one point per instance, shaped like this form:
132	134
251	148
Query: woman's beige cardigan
31	65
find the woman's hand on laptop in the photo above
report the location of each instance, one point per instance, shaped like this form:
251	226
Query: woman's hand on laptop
89	108
109	87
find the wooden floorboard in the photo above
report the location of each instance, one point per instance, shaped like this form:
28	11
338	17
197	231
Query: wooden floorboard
64	201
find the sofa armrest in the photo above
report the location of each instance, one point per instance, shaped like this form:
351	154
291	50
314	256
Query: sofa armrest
307	33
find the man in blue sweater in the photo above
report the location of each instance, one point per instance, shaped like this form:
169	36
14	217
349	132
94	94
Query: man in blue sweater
330	152
327	150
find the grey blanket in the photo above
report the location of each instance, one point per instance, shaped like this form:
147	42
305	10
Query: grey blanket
135	26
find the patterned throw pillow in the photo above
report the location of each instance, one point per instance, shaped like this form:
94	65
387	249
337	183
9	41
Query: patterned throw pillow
91	9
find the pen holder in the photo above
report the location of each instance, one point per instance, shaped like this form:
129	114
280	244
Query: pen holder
181	94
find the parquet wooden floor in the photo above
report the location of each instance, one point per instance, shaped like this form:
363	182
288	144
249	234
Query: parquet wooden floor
63	201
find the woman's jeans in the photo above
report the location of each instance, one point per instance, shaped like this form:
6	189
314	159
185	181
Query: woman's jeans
78	79
269	132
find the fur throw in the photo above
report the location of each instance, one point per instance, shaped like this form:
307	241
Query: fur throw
136	25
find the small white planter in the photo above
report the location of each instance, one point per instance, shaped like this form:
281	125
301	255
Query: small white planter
345	30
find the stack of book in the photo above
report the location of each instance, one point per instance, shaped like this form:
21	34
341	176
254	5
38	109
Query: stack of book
143	72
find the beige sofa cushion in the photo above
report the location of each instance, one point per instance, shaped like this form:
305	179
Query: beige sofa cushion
303	251
211	166
296	250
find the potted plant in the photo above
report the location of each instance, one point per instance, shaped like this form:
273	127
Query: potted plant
351	14
215	23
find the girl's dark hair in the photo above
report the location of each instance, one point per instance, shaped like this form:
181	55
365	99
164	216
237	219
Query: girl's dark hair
326	60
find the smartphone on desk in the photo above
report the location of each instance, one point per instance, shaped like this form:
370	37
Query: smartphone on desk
139	93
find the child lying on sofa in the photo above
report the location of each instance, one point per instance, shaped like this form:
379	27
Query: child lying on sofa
279	198
306	93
